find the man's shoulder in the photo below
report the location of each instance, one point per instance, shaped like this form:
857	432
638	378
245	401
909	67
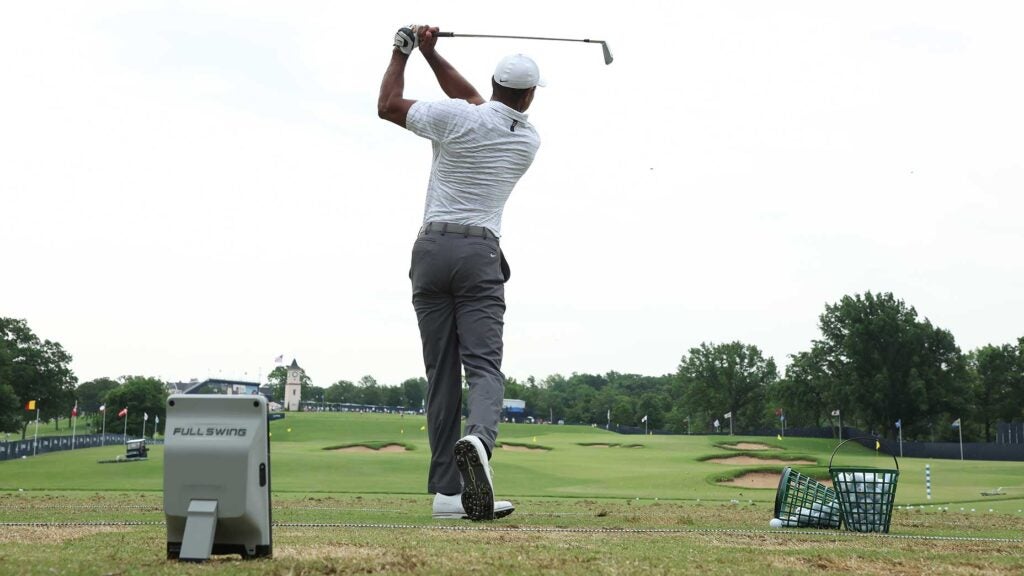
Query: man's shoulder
448	104
449	109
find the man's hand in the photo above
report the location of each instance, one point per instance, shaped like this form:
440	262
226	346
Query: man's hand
407	38
427	37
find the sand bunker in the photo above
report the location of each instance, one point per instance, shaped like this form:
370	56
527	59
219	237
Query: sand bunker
749	446
596	445
760	480
512	448
364	449
754	480
748	460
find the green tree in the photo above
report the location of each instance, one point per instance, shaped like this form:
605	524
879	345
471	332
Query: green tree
341	392
92	394
140	395
888	365
37	370
414	390
728	378
996	371
10	409
369	391
807	395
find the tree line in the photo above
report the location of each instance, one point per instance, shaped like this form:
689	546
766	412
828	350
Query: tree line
875	363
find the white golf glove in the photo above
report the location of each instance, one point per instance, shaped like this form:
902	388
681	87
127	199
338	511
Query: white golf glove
407	39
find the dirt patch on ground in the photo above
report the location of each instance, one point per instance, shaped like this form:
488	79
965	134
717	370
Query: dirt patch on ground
749	460
365	449
50	534
596	445
749	446
512	448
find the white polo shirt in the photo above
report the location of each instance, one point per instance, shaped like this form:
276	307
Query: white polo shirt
480	152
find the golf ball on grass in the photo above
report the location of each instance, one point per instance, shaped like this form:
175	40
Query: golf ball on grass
775	523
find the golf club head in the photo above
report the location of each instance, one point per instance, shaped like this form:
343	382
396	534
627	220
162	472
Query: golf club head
607	53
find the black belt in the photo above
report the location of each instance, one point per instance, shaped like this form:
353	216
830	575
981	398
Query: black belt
449	228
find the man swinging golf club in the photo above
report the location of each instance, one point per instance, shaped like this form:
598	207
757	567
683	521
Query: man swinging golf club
480	150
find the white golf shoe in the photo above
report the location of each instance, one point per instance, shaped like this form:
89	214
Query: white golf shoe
450	508
477	490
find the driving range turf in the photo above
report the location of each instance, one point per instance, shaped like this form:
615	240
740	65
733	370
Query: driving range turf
588	502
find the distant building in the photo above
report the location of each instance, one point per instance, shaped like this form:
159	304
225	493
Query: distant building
293	387
219	386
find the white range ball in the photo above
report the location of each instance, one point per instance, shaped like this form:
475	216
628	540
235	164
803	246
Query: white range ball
775	523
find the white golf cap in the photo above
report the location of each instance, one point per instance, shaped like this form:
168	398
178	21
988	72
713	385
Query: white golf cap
518	71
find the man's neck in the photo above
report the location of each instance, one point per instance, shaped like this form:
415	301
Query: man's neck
517	106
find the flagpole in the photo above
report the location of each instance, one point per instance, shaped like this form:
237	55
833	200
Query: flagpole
901	438
840	426
124	437
35	440
960	432
103	433
74	425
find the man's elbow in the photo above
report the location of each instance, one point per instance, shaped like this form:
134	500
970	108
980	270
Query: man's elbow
392	110
382	109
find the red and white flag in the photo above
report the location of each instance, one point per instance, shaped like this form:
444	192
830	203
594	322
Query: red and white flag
123	412
74	411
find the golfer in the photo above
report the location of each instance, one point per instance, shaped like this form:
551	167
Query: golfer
480	150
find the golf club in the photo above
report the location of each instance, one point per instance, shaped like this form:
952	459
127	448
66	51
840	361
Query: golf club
604	45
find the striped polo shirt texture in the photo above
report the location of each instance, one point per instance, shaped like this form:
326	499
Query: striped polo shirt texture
480	152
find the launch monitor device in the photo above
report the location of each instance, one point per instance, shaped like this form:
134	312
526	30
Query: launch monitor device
217	476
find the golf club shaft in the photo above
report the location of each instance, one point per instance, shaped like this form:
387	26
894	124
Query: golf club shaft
454	35
604	45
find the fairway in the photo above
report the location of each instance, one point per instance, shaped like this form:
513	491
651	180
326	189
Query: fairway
588	502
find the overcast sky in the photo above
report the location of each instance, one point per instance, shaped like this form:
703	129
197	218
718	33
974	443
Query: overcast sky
189	189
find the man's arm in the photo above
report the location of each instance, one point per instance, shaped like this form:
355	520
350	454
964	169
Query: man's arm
451	81
391	105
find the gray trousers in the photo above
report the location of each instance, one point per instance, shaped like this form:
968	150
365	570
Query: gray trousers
458	291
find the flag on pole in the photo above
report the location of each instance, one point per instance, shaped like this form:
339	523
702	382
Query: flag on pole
644	419
74	411
103	408
717	424
30	405
878	445
123	412
835	412
157	421
956	423
727	415
899	424
145	416
279	359
778	436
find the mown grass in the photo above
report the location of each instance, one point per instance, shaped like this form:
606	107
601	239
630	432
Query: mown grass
581	509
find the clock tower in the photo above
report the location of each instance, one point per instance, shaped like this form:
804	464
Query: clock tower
293	387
